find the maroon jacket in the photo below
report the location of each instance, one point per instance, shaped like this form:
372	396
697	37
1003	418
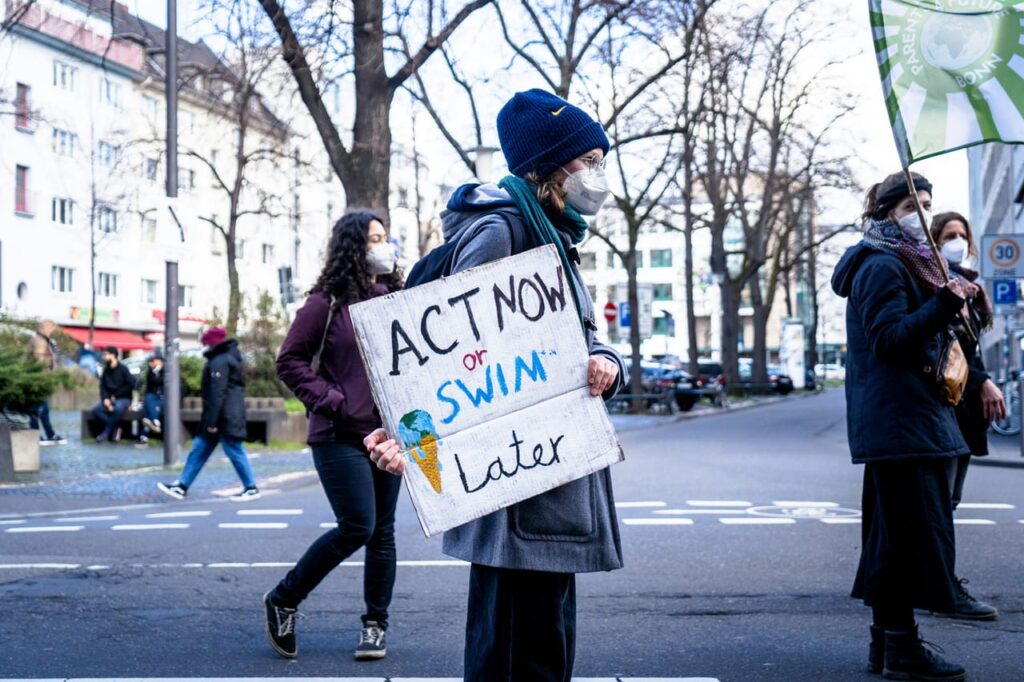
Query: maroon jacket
338	399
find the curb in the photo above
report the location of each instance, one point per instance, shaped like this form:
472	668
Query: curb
989	461
718	411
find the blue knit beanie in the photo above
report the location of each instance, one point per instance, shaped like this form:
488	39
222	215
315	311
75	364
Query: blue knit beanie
539	132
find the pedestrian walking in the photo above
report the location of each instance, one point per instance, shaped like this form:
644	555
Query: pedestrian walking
983	401
116	390
320	362
899	312
43	349
223	418
521	620
152	386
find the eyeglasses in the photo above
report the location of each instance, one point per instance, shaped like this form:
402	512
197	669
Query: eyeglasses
593	162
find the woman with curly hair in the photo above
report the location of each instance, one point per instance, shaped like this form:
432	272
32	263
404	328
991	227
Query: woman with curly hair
320	363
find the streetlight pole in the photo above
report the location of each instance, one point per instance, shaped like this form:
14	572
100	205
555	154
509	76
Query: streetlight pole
172	375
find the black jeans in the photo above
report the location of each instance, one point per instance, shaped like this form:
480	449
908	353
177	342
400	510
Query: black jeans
520	626
363	499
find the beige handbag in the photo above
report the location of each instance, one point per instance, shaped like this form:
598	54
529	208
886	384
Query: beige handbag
951	373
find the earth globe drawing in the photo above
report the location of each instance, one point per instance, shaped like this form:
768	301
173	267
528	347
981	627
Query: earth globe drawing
954	42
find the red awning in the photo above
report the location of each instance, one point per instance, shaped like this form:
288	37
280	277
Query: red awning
102	338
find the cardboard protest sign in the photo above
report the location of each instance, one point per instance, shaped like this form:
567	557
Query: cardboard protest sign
482	377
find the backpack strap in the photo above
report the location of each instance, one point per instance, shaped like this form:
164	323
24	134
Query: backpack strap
315	362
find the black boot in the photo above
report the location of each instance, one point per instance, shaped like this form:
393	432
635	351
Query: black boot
876	650
969	608
907	658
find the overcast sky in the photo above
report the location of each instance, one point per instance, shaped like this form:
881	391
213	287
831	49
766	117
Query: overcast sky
876	152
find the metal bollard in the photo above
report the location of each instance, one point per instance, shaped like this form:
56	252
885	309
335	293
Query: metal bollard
1020	406
6	454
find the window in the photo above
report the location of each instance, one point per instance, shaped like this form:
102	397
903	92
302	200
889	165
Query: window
149	291
613	260
22	108
186	179
109	154
240	249
588	261
106	285
65	76
62	279
64	142
107	219
110	93
21	194
150	107
661	258
639	258
185	294
662	292
152	170
149	230
592	290
661	326
268	253
62	210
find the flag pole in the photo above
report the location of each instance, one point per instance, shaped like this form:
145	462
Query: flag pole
939	258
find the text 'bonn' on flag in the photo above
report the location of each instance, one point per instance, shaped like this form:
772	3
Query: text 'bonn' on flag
952	72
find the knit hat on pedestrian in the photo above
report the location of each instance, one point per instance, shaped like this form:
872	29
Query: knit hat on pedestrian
539	132
214	336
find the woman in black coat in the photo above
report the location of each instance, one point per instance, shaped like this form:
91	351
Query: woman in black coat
899	312
982	401
223	418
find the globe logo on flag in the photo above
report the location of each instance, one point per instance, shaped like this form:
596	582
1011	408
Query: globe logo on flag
953	42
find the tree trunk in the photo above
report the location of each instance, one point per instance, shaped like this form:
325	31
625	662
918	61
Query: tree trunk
730	329
636	374
370	156
762	311
812	291
234	293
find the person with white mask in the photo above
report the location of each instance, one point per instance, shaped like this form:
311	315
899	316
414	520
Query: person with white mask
983	401
320	362
521	616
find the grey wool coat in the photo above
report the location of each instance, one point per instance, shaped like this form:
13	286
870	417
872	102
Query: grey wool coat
573	528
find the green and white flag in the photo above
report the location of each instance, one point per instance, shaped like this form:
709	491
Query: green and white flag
952	72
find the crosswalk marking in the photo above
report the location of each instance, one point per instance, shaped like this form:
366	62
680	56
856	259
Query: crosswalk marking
638	505
80	519
43	529
269	512
254	526
840	520
178	514
658	522
7	522
674	512
797	504
756	521
719	503
985	505
150	526
974	522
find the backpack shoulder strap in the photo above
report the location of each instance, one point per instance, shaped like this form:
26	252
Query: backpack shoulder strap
315	363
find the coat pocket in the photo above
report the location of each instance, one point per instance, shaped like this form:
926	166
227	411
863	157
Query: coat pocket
565	514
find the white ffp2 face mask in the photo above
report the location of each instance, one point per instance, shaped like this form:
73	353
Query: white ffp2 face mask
956	250
911	226
381	259
586	190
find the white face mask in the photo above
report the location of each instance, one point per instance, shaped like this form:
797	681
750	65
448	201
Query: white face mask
911	226
381	259
955	250
586	190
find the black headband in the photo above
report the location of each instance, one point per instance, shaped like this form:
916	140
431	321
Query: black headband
885	202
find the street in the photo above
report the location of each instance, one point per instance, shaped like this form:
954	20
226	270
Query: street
740	532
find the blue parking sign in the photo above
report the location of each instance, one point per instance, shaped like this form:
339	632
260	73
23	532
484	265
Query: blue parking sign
624	318
1004	292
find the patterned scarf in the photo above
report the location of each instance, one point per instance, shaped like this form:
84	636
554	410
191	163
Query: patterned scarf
885	235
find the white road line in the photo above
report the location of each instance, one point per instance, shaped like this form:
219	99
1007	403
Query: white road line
329	524
253	526
177	515
985	505
149	526
272	564
973	522
718	503
755	521
43	529
76	519
97	567
227	564
792	503
699	511
11	522
840	520
638	505
658	522
270	512
64	567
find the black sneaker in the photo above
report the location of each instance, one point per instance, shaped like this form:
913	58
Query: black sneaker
57	439
280	626
371	642
969	608
175	490
247	495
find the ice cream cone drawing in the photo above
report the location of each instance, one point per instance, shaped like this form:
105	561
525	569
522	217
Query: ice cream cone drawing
416	429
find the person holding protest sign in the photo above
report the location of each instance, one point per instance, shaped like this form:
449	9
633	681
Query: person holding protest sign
320	362
983	401
901	427
521	621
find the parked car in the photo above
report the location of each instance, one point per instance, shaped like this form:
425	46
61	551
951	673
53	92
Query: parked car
831	372
710	381
781	383
681	384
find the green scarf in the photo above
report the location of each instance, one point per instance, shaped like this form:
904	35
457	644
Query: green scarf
543	231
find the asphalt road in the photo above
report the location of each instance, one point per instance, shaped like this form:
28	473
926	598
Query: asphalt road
741	540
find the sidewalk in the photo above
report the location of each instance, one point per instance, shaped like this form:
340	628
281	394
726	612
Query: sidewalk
1004	451
91	475
634	422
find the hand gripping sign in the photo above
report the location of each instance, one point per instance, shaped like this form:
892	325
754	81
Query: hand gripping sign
482	377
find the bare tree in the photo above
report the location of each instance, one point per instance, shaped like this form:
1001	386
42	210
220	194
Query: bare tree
348	43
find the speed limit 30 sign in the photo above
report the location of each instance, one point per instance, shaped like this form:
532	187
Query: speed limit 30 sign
1002	256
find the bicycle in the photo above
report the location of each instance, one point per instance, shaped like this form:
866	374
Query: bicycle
1010	424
